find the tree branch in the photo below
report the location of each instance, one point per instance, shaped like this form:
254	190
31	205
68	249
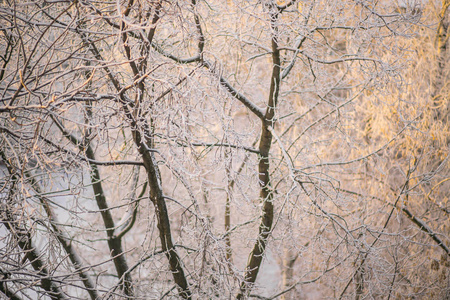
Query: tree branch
66	242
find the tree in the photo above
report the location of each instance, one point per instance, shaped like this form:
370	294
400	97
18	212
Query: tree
150	147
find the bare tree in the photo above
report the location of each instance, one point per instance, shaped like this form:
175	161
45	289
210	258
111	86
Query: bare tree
244	149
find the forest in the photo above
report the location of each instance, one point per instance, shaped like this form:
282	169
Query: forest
239	149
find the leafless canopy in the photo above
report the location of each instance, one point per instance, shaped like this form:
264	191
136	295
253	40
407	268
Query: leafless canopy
224	149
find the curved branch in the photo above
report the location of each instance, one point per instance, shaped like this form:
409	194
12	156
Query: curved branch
244	100
130	218
201	38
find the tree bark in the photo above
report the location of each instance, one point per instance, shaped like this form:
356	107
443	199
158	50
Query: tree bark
157	198
114	243
266	193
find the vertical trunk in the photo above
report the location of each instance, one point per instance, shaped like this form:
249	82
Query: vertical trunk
114	243
227	216
142	143
157	197
359	282
227	228
266	194
288	270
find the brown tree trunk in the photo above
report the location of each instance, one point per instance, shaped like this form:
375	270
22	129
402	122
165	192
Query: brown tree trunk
266	193
114	243
288	270
157	197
